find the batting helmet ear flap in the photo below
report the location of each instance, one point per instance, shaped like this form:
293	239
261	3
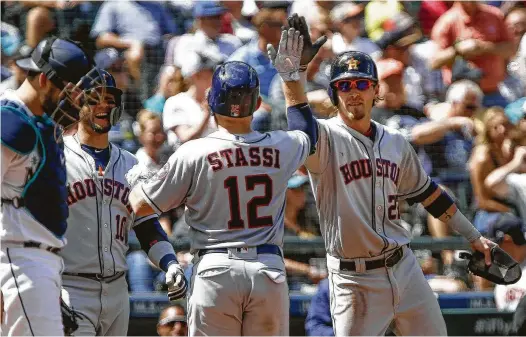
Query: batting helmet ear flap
333	95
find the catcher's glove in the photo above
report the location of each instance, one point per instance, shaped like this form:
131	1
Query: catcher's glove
69	318
503	269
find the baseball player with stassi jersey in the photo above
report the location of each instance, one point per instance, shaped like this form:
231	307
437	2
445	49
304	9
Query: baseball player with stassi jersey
359	173
233	183
99	222
34	209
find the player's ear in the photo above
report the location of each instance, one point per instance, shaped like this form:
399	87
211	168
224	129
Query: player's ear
258	104
42	80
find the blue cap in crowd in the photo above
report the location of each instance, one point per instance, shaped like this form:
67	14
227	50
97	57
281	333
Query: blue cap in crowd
516	111
504	223
207	8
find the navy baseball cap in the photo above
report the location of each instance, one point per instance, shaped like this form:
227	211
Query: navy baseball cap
504	223
207	8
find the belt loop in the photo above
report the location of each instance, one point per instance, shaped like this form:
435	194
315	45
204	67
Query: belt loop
360	265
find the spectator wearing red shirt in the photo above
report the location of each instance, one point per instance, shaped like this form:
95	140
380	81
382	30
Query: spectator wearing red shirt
477	33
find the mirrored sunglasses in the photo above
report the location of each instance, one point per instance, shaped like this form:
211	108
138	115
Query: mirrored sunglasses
348	85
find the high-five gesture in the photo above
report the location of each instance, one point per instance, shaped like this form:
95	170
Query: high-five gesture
287	59
309	49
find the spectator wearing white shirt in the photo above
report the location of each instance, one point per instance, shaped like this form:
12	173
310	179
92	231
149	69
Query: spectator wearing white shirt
207	37
186	115
516	22
347	18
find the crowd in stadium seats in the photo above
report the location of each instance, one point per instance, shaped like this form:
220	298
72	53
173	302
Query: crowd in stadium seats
452	80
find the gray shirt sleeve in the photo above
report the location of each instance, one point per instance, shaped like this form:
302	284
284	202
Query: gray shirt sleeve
104	21
413	178
170	186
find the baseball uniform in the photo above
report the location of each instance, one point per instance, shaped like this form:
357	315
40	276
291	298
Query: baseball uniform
374	277
100	219
33	218
234	188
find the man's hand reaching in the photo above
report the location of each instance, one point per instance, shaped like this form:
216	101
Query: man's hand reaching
309	49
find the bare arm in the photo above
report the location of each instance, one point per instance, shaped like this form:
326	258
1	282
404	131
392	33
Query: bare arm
295	91
139	205
496	180
107	39
482	194
443	57
432	132
504	49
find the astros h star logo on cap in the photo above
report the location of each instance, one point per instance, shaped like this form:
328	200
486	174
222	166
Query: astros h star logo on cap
353	64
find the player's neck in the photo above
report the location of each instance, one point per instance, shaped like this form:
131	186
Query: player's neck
93	139
29	96
363	125
235	129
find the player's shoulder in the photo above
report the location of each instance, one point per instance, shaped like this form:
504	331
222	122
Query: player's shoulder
128	159
18	131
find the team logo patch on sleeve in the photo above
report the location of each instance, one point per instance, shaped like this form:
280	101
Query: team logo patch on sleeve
162	173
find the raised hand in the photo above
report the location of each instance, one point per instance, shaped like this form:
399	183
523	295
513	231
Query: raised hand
287	59
309	49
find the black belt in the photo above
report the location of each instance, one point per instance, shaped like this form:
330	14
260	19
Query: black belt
98	277
388	262
31	244
263	249
16	202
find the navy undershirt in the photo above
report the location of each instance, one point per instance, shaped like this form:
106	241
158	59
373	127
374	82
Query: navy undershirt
101	156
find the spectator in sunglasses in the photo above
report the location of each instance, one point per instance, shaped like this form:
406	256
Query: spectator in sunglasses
172	322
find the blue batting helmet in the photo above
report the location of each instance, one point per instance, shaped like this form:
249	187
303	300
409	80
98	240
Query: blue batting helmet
235	90
351	64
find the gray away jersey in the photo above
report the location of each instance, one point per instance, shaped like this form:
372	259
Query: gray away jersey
233	186
357	185
100	216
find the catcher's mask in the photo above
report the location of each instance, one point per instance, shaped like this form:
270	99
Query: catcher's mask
69	68
100	106
235	90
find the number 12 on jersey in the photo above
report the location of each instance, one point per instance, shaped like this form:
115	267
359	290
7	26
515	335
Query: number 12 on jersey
251	181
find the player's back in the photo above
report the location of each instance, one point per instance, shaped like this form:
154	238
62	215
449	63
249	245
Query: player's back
235	186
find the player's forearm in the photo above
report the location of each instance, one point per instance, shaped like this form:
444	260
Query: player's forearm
154	242
139	205
295	91
441	206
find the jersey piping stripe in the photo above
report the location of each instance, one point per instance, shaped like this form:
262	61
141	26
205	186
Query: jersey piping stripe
18	291
109	206
244	141
386	242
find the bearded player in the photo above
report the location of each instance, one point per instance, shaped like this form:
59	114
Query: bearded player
359	173
100	220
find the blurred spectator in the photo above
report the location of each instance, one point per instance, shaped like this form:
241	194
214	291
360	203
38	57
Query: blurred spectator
450	283
476	32
347	21
295	205
509	182
516	112
394	96
172	321
171	83
111	60
152	138
319	321
377	12
509	232
314	11
11	39
18	74
39	20
268	22
516	22
186	115
139	28
207	38
519	318
429	12
487	155
242	27
399	36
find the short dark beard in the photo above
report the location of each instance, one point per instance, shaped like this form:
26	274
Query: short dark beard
99	129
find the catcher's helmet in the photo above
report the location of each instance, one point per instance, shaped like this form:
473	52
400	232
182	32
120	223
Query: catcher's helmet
351	64
235	90
107	82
